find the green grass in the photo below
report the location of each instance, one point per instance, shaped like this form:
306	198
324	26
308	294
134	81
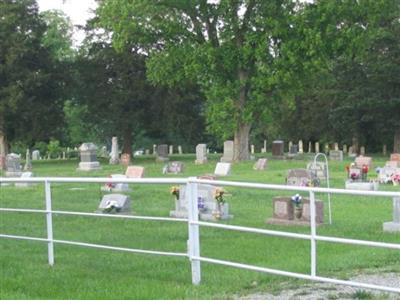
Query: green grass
86	273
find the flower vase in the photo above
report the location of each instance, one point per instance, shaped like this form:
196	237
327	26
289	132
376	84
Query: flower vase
298	212
219	211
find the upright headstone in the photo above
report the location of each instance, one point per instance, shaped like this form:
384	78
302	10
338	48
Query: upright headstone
28	162
228	152
114	159
301	148
362	150
352	153
326	148
180	149
13	165
309	147
336	146
64	155
134	172
201	154
277	149
260	165
162	153
336	155
222	169
290	145
318	170
395	157
252	149
265	146
299	177
384	150
35	155
360	161
317	147
88	157
125	159
155	149
394	226
293	150
171	149
344	149
147	152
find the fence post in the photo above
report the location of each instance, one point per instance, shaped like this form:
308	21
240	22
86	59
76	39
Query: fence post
313	234
49	223
194	238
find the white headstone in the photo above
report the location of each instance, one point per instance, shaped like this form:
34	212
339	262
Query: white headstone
171	149
394	226
201	154
336	146
252	149
28	163
228	152
362	150
222	169
309	147
35	155
114	159
290	145
180	149
301	148
317	147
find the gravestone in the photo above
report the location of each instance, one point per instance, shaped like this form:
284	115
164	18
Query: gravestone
264	149
362	185
290	144
395	157
88	157
207	205
299	177
201	154
326	148
252	151
360	161
293	150
394	226
125	159
64	155
174	167
362	150
228	152
301	149
13	165
344	149
114	155
277	149
352	153
147	152
171	150
222	169
180	149
336	155
260	165
134	172
309	147
28	162
316	147
336	146
162	153
115	203
318	170
35	155
155	149
24	184
116	187
283	212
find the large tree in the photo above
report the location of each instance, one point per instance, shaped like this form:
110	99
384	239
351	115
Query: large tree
29	108
229	48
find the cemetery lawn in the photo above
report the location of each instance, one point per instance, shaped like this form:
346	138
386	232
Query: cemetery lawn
88	273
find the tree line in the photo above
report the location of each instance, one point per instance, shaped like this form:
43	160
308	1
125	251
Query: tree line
185	72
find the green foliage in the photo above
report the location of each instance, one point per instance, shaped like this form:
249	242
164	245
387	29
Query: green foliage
54	148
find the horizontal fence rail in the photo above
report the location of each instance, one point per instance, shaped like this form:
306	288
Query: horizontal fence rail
193	223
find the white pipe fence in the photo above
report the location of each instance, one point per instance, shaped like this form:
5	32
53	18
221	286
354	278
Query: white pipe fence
193	251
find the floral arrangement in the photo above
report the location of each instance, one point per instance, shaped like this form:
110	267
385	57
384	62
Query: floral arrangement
112	206
297	200
218	195
364	172
175	191
395	179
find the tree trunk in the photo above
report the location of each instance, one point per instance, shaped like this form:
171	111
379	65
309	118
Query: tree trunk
127	142
3	148
396	141
241	143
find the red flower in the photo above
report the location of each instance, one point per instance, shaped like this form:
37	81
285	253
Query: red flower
364	169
